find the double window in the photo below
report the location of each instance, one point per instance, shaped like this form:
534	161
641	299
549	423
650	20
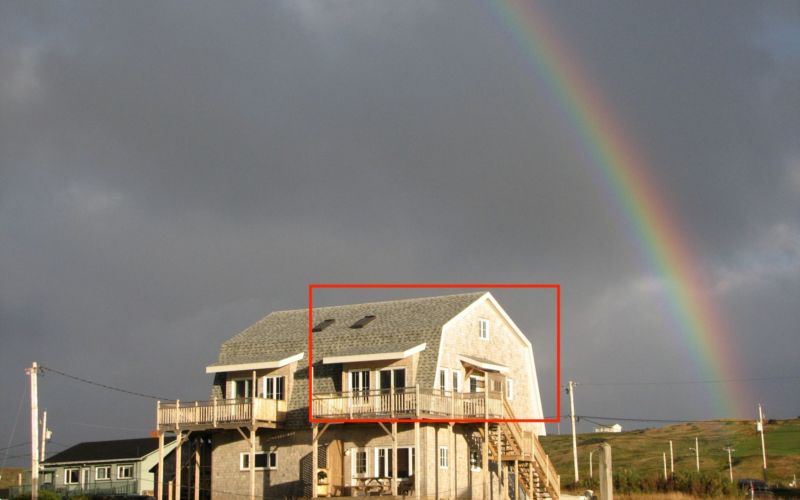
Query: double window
444	460
242	388
264	460
483	329
405	462
72	476
125	472
102	473
394	378
274	388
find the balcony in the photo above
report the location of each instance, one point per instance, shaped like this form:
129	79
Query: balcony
220	413
408	402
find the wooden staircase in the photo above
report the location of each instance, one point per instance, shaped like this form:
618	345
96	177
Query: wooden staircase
537	476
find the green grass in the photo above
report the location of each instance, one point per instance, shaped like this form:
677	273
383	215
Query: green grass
641	450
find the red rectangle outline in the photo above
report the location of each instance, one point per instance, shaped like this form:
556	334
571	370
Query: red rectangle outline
312	286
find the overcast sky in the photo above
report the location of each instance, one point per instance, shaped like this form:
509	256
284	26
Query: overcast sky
173	171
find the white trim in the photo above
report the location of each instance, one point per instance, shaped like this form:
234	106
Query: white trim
459	375
387	459
354	461
446	372
67	475
445	456
483	365
262	365
379	356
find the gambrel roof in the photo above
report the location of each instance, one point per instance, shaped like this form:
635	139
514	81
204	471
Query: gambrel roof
398	325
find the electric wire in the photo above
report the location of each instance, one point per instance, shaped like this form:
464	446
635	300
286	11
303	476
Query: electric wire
104	386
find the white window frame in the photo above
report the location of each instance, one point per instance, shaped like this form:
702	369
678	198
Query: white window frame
106	468
444	458
510	389
456	380
272	460
392	382
265	380
387	450
483	329
444	375
67	475
354	452
475	463
121	468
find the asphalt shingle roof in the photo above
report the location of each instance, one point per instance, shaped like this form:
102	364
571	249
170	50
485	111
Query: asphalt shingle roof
398	325
120	449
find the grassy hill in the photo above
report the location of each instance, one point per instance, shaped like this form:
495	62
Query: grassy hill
641	450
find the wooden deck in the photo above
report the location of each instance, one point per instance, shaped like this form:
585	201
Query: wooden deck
220	413
408	402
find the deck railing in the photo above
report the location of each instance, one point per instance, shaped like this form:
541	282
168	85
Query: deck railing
216	412
407	402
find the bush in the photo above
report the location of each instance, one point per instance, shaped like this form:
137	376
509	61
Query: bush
43	495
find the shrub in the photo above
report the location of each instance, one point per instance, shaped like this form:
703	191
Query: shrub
43	495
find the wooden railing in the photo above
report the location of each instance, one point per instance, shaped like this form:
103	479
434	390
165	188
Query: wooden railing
214	412
407	402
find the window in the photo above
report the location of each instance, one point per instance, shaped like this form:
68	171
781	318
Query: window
405	462
443	462
509	389
475	383
125	472
102	473
274	388
47	477
443	379
475	460
264	460
359	457
323	325
241	388
456	380
395	377
72	476
483	329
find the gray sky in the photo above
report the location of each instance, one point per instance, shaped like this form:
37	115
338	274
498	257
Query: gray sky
173	171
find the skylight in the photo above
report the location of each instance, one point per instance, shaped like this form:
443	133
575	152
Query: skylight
362	322
323	325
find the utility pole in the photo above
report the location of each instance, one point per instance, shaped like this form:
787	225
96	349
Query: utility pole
570	391
730	462
33	371
696	454
671	461
761	430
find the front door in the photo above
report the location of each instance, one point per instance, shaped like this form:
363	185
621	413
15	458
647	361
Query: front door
85	477
335	467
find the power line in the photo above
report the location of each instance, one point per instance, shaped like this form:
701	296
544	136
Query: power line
688	382
104	386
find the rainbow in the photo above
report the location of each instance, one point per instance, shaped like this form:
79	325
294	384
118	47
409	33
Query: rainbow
623	171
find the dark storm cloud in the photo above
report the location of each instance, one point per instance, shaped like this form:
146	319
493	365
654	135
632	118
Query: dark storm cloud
172	172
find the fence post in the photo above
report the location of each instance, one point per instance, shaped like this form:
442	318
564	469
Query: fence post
606	477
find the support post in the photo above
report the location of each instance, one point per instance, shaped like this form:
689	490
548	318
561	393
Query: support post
252	463
417	477
169	493
314	458
453	461
485	459
606	475
179	441
500	471
160	494
516	479
394	459
197	445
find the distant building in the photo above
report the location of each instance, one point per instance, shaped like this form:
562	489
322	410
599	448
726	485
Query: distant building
609	428
120	467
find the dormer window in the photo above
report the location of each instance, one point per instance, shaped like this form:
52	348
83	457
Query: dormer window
483	329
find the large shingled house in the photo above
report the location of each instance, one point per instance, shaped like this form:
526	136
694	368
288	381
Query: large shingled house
435	369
